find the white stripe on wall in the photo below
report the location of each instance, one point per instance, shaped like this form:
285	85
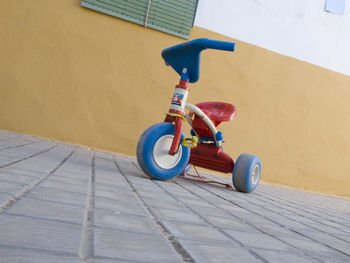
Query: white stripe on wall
300	29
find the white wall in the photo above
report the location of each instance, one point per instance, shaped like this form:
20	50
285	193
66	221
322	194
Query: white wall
296	28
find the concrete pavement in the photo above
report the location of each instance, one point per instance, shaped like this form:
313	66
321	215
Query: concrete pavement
63	203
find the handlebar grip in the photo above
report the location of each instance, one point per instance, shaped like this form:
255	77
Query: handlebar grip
221	45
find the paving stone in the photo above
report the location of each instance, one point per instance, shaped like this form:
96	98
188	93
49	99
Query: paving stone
211	253
71	180
42	166
23	255
48	210
59	196
150	188
306	244
5	159
15	154
28	232
114	179
20	170
4	197
325	228
10	187
316	249
206	190
125	222
234	209
206	210
155	202
331	258
131	206
230	223
122	195
138	180
255	219
75	168
131	246
117	187
177	215
74	173
194	231
155	195
170	186
257	240
60	186
182	194
194	201
274	229
13	142
17	178
330	241
283	256
114	260
345	237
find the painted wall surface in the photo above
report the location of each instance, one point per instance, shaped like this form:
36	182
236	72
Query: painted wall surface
78	76
298	28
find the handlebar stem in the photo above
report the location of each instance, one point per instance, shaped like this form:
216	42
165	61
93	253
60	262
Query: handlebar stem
179	100
177	136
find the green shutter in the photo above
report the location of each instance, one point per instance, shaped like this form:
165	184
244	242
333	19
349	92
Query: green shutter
130	10
173	17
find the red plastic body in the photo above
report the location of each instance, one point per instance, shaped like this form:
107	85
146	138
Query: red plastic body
206	155
211	157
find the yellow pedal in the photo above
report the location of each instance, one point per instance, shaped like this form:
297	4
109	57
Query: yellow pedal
190	142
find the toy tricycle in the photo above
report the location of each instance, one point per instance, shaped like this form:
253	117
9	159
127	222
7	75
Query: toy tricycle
163	151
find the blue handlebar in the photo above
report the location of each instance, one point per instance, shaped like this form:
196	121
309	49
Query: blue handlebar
221	45
187	56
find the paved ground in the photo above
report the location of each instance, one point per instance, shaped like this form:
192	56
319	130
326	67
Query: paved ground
62	203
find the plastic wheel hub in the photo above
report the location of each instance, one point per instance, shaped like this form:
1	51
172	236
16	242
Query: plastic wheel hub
161	154
255	175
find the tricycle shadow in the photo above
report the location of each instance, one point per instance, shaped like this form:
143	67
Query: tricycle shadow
193	177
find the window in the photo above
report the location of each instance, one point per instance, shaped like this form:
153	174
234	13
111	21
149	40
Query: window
335	6
173	17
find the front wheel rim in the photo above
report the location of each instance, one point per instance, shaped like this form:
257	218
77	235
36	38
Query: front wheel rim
161	154
255	175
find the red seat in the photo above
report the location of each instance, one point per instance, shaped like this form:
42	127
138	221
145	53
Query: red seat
217	112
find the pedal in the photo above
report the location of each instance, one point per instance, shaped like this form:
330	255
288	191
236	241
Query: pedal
190	142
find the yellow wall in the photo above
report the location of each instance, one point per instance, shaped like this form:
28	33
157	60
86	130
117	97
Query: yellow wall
78	76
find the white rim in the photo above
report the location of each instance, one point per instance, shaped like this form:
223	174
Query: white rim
161	153
255	175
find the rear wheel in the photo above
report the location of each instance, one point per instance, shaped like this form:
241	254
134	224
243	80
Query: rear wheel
152	152
246	172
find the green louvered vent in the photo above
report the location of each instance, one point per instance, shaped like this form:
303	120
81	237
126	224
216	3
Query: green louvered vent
173	17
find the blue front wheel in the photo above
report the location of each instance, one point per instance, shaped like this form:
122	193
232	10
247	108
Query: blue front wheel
152	152
246	172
